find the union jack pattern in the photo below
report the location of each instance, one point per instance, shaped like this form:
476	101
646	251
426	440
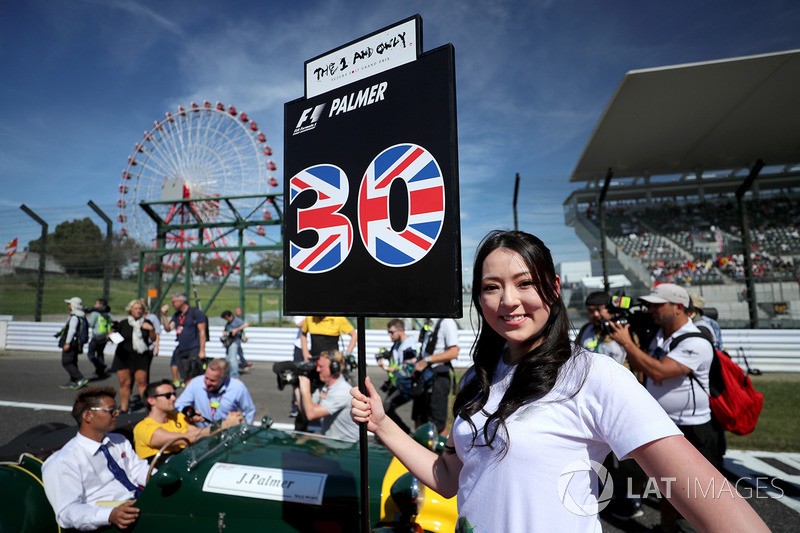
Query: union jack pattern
334	230
426	206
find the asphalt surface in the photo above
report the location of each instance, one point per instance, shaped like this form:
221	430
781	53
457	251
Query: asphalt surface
29	396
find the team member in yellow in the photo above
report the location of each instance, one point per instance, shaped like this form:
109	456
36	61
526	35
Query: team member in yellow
325	332
163	424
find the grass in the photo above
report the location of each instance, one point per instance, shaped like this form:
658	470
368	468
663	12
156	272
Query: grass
778	428
18	295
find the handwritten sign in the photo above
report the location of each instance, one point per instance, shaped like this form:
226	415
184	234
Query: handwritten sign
266	483
379	52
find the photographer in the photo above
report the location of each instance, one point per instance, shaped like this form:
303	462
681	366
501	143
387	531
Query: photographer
401	356
669	370
595	335
331	403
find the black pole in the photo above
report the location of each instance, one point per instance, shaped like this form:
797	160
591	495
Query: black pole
362	429
37	316
109	248
516	195
601	212
752	302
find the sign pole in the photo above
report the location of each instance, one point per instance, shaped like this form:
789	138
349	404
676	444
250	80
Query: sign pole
362	429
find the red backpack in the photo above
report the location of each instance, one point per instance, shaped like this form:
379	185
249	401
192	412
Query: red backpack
734	402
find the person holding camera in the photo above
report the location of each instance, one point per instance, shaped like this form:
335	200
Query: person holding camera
331	403
439	346
669	370
595	335
401	355
232	339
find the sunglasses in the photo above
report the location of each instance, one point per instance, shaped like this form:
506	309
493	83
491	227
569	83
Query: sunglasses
113	410
166	395
391	331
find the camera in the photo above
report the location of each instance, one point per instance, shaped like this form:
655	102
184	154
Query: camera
287	372
623	312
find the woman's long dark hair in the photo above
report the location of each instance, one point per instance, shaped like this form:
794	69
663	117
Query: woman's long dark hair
537	372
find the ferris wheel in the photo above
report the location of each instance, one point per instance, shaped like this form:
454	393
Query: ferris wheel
204	152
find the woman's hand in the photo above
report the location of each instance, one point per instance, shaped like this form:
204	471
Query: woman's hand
367	409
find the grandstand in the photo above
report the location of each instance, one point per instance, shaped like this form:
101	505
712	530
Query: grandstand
688	167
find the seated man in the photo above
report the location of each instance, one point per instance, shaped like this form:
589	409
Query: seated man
94	466
216	396
331	403
164	424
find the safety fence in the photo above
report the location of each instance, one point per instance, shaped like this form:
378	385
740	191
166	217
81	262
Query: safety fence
764	349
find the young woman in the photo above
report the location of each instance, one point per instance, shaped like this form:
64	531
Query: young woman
133	355
536	414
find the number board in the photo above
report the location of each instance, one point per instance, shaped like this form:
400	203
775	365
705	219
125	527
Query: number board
371	196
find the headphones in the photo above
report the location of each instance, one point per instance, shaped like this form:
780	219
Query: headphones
336	367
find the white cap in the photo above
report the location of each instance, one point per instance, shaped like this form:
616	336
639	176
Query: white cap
76	303
668	292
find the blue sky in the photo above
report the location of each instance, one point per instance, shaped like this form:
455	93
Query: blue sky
81	81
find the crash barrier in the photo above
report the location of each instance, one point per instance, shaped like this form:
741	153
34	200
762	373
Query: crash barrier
769	350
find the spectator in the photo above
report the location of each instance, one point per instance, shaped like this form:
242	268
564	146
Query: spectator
69	340
329	404
403	353
133	356
190	325
233	330
216	396
153	319
325	332
705	322
94	466
100	324
243	364
163	424
668	373
439	346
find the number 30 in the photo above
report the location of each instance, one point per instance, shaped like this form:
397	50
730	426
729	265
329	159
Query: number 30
395	248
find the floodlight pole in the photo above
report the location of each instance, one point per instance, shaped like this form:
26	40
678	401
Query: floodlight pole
109	248
752	302
516	195
601	212
37	316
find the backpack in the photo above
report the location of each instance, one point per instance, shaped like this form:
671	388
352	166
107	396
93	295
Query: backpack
81	333
734	402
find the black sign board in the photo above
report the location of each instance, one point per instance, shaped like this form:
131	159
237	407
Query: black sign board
371	195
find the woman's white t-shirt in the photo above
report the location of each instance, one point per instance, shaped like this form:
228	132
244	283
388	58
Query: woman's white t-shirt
545	482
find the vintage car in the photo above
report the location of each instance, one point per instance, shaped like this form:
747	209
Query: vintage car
252	478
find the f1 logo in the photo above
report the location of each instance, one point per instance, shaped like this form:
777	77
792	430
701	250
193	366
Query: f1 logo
308	120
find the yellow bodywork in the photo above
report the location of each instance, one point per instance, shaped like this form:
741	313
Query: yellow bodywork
436	513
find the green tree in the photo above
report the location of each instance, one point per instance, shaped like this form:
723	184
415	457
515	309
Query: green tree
268	264
78	246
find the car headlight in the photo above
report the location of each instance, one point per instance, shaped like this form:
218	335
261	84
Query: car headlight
408	494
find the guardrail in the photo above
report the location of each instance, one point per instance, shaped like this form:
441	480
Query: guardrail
770	350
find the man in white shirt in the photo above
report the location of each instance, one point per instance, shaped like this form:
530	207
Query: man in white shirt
669	372
94	467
